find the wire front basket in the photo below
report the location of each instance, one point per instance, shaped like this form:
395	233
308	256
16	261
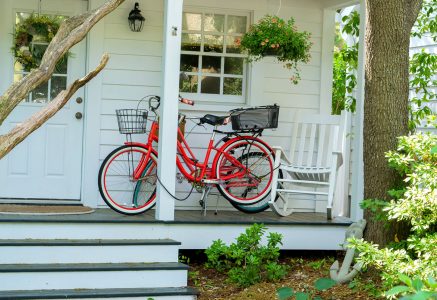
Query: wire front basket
132	121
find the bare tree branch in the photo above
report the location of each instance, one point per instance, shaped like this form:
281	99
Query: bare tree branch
21	131
71	32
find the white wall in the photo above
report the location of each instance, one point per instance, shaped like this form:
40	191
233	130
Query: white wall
134	71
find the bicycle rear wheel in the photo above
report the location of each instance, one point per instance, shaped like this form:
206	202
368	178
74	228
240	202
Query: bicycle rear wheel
249	181
262	205
116	184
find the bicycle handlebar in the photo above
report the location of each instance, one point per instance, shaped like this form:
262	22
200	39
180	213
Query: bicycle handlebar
157	101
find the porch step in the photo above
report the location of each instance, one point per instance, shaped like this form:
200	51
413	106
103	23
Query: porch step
63	251
92	276
184	293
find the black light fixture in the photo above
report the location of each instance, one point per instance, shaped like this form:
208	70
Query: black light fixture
136	19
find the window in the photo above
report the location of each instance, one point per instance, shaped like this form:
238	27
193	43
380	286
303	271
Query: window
58	82
211	56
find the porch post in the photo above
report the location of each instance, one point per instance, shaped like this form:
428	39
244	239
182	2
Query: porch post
358	167
169	109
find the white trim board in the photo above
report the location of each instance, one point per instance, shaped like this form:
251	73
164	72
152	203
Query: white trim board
192	236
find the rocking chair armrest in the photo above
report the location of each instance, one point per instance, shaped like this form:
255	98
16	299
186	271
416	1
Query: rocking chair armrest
339	158
279	152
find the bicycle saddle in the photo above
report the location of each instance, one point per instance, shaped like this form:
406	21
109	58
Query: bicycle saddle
213	120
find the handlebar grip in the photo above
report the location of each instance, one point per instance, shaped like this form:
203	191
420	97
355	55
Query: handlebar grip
187	101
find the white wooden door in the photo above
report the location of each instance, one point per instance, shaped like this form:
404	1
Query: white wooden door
46	165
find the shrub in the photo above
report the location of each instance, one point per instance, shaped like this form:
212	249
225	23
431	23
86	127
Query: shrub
247	261
416	204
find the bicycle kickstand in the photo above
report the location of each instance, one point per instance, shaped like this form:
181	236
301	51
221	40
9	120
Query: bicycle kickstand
204	198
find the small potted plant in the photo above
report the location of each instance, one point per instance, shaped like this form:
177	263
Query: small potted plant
272	35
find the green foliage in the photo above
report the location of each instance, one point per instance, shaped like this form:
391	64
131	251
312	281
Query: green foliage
344	68
367	285
247	261
272	35
321	284
318	264
414	289
423	67
415	160
376	206
426	22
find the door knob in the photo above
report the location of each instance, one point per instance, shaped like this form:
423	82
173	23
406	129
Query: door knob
78	115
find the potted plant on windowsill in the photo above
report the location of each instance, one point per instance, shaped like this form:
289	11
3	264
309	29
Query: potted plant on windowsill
272	35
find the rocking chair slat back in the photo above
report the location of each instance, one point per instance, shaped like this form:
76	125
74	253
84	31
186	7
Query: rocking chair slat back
317	150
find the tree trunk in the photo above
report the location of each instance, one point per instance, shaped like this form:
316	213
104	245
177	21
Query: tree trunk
389	24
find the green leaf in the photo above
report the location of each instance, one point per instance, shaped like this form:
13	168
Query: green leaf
284	293
397	290
302	296
324	284
405	279
317	298
422	295
434	150
417	284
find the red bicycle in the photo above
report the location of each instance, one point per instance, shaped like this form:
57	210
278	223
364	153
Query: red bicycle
241	163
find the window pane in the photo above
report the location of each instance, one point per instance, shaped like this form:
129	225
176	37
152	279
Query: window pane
233	86
236	24
21	16
39	95
38	51
189	85
213	43
190	42
234	65
189	63
210	85
211	64
191	21
233	44
58	84
214	22
61	66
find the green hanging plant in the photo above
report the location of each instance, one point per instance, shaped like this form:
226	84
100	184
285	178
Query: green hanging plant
32	30
272	35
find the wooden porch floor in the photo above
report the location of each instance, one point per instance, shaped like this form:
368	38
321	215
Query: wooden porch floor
186	217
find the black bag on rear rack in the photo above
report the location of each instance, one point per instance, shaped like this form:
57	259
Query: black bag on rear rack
260	117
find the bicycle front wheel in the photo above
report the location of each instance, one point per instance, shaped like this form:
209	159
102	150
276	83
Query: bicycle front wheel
119	189
245	168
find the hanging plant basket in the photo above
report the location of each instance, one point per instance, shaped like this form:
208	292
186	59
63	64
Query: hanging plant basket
31	37
273	36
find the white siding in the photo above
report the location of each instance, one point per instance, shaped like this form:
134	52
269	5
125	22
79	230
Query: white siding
134	70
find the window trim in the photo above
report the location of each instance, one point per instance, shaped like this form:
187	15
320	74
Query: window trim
211	99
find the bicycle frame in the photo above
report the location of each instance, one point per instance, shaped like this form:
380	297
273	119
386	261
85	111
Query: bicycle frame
194	171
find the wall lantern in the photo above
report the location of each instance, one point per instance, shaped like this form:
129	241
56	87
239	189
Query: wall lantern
136	19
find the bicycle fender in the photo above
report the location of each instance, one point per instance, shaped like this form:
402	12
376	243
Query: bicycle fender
141	145
234	140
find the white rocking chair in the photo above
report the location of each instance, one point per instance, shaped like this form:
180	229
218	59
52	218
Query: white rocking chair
316	153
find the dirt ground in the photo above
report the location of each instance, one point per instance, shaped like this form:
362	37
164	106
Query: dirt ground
305	269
